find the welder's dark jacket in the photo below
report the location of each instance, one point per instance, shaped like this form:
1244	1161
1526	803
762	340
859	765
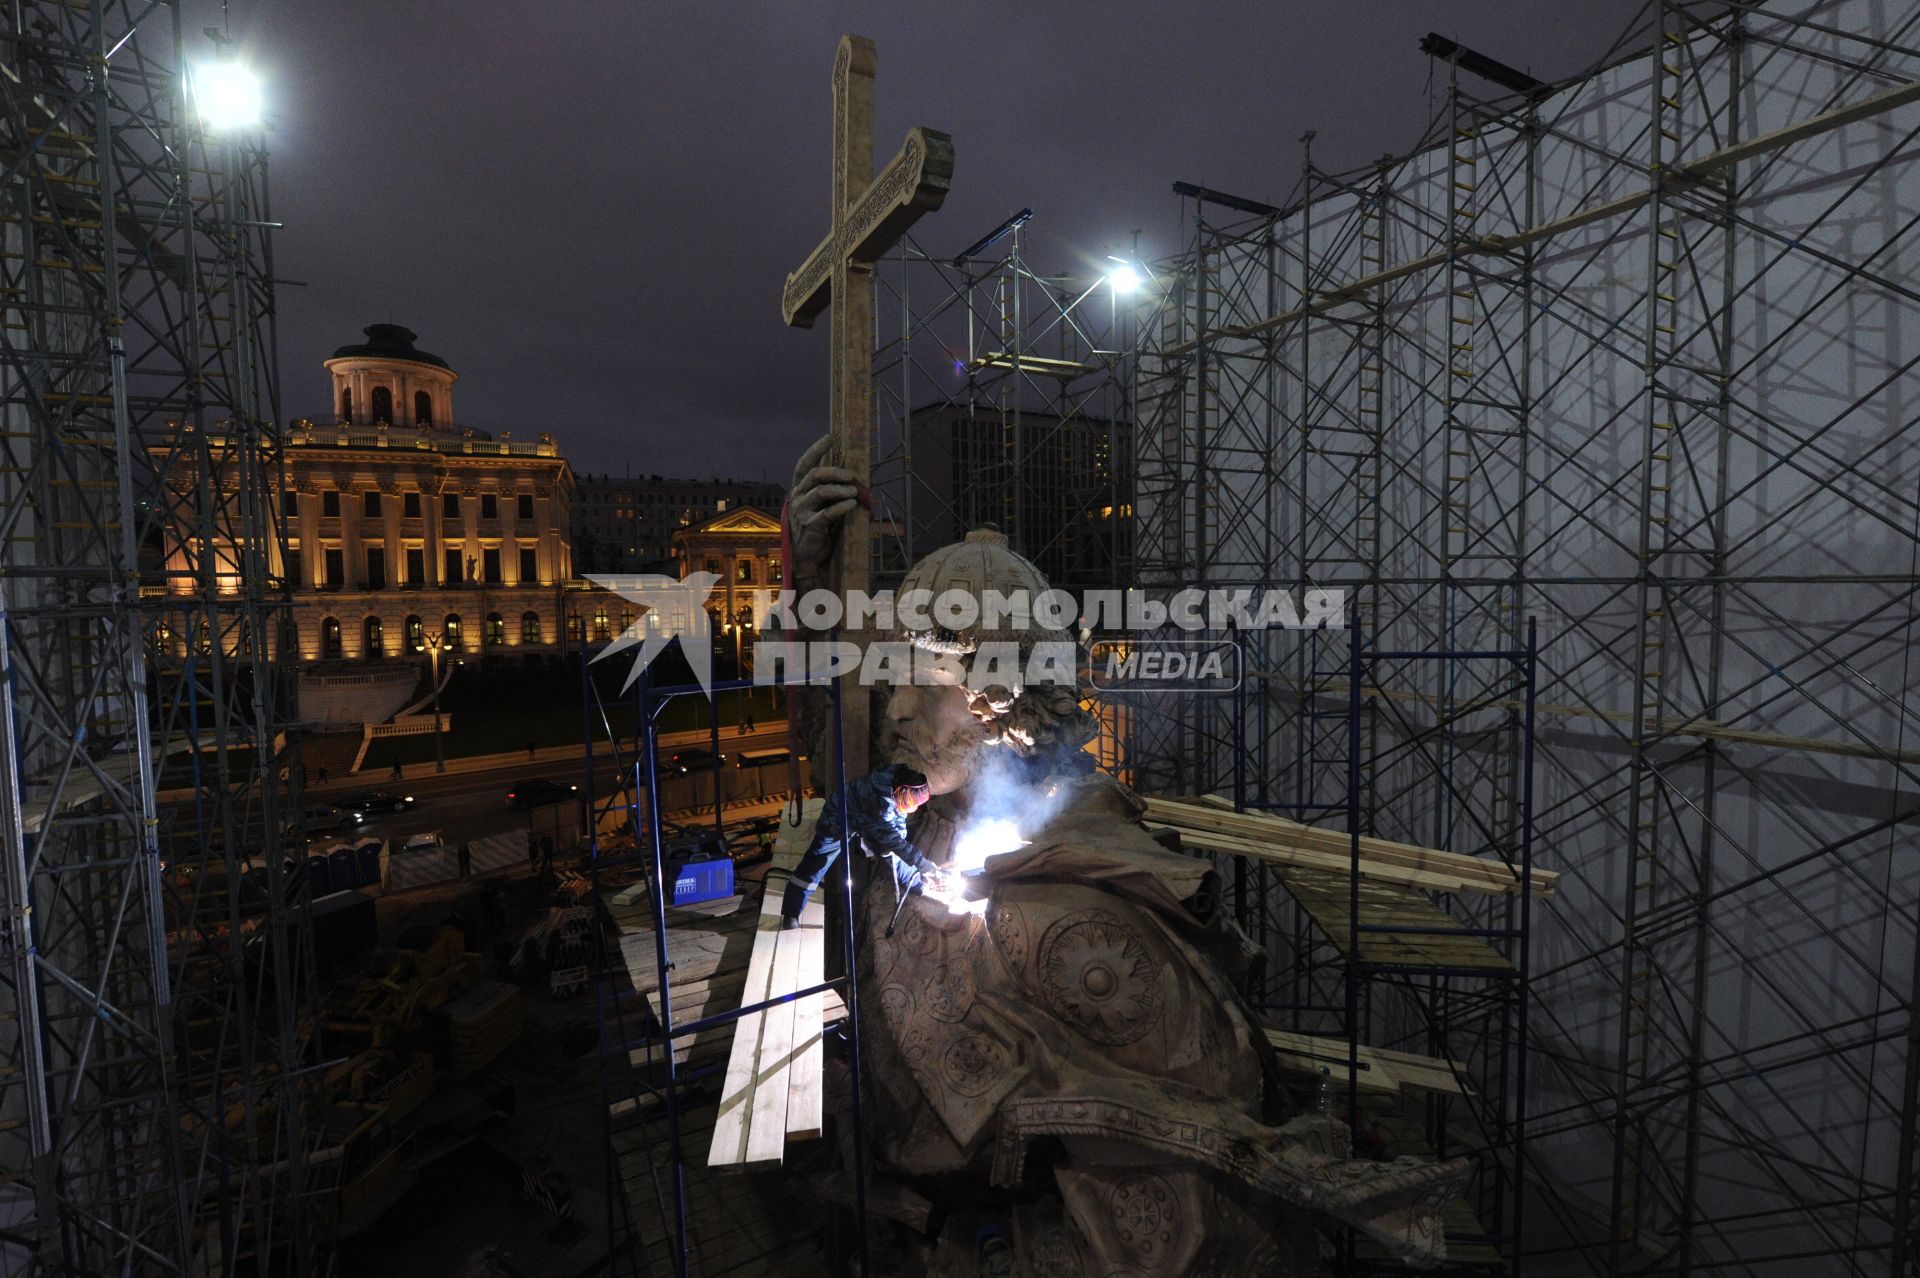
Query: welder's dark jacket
873	816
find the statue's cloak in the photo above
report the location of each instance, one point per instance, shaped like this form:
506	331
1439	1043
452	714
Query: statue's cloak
1096	1002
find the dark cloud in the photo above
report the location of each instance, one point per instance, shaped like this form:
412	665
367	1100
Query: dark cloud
588	208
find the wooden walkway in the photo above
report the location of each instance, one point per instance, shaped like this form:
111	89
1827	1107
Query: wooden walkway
739	1221
1441	940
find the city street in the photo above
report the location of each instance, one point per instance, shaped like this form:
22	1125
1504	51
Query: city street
473	804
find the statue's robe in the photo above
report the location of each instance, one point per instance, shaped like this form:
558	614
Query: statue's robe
1091	1014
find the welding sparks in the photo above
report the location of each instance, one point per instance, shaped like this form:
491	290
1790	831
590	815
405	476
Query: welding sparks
983	839
971	848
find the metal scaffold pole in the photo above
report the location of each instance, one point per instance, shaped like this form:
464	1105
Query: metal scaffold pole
1629	354
152	1001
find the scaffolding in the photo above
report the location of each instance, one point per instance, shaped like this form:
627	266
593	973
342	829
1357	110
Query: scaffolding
151	976
1631	355
1000	398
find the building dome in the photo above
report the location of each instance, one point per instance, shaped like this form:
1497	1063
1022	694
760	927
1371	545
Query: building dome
387	380
389	341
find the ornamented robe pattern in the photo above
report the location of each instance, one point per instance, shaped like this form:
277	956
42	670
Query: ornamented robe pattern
1094	1005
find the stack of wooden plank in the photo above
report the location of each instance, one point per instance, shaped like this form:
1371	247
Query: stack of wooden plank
773	1081
1400	923
736	1224
478	1024
1381	1069
1210	822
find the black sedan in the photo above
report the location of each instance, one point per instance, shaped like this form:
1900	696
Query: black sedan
538	792
696	759
365	803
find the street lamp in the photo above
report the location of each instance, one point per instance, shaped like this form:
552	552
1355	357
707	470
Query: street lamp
742	623
434	641
226	94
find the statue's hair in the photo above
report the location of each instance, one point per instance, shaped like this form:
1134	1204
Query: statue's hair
1040	720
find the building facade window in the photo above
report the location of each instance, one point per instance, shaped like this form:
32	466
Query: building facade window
626	620
489	506
375	636
600	624
416	566
496	632
416	634
291	562
336	561
773	570
575	630
529	627
330	503
450	567
346	403
743	572
450	505
423	408
713	566
410	505
330	639
370	503
376	568
289	503
523	506
382	404
451	628
490	563
529	565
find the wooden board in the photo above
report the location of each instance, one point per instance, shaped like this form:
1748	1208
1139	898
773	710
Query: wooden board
734	1119
1328	898
805	1094
1210	821
773	1091
1381	1069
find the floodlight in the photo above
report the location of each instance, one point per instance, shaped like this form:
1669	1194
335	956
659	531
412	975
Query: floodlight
1122	278
226	94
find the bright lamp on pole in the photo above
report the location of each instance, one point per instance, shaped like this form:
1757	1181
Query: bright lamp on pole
226	95
1123	277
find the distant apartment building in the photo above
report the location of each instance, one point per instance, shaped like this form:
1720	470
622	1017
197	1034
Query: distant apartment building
1060	487
626	523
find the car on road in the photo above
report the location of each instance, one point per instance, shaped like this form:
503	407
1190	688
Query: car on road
327	818
536	792
367	803
694	759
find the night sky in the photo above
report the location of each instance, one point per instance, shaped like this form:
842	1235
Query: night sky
588	209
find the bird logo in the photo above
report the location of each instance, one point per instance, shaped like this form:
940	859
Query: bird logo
666	609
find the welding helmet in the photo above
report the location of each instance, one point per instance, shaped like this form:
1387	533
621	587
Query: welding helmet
909	789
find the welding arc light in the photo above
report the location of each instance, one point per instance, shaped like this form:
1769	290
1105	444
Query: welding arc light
1122	278
226	94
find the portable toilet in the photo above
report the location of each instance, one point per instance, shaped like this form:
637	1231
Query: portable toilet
368	855
343	867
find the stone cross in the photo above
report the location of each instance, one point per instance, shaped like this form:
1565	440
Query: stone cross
869	216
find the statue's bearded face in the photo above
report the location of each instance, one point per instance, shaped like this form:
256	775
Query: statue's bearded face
936	733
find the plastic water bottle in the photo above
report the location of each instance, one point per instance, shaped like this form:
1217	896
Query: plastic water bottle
1323	1102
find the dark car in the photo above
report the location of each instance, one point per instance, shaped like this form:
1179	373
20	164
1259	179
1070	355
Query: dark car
365	803
538	792
695	759
325	818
